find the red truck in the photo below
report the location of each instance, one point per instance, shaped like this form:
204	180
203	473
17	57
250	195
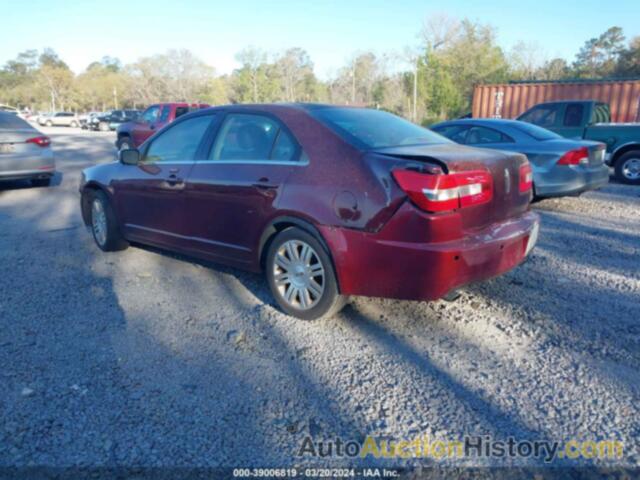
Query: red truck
133	134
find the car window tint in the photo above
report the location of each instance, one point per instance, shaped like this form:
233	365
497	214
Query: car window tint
573	115
164	116
285	149
480	135
544	115
178	143
245	137
151	114
181	111
456	133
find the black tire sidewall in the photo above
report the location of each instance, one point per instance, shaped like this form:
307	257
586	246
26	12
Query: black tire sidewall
124	140
331	299
620	162
114	240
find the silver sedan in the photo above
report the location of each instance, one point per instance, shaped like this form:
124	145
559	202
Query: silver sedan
25	153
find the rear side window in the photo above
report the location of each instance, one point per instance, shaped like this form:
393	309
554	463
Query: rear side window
544	115
179	143
480	135
181	111
573	115
249	137
11	121
601	113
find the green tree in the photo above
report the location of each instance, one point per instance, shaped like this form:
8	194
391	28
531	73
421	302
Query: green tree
598	57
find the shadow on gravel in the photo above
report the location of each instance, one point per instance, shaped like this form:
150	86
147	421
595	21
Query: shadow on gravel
490	417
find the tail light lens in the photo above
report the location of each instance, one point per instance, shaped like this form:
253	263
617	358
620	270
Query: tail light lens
526	177
40	141
579	156
442	192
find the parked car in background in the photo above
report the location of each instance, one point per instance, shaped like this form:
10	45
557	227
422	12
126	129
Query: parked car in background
85	118
327	201
135	132
560	166
112	119
25	153
590	120
59	119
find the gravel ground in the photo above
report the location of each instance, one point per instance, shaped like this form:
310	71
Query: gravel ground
143	358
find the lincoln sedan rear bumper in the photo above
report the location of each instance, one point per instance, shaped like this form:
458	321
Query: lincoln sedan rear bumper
567	180
370	266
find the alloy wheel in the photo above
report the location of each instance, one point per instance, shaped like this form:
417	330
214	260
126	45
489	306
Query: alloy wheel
99	222
298	274
631	169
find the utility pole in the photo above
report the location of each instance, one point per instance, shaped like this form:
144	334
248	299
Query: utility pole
115	98
353	84
415	91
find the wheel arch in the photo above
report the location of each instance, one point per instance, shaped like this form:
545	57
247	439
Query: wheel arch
283	222
85	200
626	148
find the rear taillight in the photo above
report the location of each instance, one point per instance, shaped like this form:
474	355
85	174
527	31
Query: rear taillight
440	192
579	156
526	177
40	141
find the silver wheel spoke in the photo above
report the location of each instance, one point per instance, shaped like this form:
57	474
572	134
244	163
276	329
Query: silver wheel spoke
298	274
315	288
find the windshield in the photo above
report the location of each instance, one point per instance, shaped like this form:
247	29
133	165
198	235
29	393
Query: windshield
367	128
536	132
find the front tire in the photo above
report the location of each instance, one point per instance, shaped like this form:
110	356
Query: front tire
124	143
74	124
103	223
41	182
627	168
301	276
49	123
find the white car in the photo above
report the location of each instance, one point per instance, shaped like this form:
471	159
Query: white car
60	119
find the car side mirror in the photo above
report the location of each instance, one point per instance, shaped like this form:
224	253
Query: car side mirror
130	156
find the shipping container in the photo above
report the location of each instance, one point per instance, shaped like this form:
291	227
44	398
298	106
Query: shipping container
511	99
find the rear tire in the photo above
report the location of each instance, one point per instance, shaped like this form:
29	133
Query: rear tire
627	168
301	276
103	223
41	182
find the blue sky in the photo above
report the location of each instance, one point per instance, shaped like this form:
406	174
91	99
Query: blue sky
330	30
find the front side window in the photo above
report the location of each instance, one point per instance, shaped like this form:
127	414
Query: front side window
179	143
252	137
151	114
544	115
366	128
480	135
164	116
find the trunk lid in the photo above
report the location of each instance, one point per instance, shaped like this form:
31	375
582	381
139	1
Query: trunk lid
507	201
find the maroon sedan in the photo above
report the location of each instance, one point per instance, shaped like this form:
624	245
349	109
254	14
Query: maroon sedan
328	201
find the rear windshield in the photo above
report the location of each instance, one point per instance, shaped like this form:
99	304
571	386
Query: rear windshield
11	121
367	128
536	132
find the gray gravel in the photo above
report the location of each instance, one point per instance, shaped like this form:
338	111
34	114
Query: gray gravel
143	358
